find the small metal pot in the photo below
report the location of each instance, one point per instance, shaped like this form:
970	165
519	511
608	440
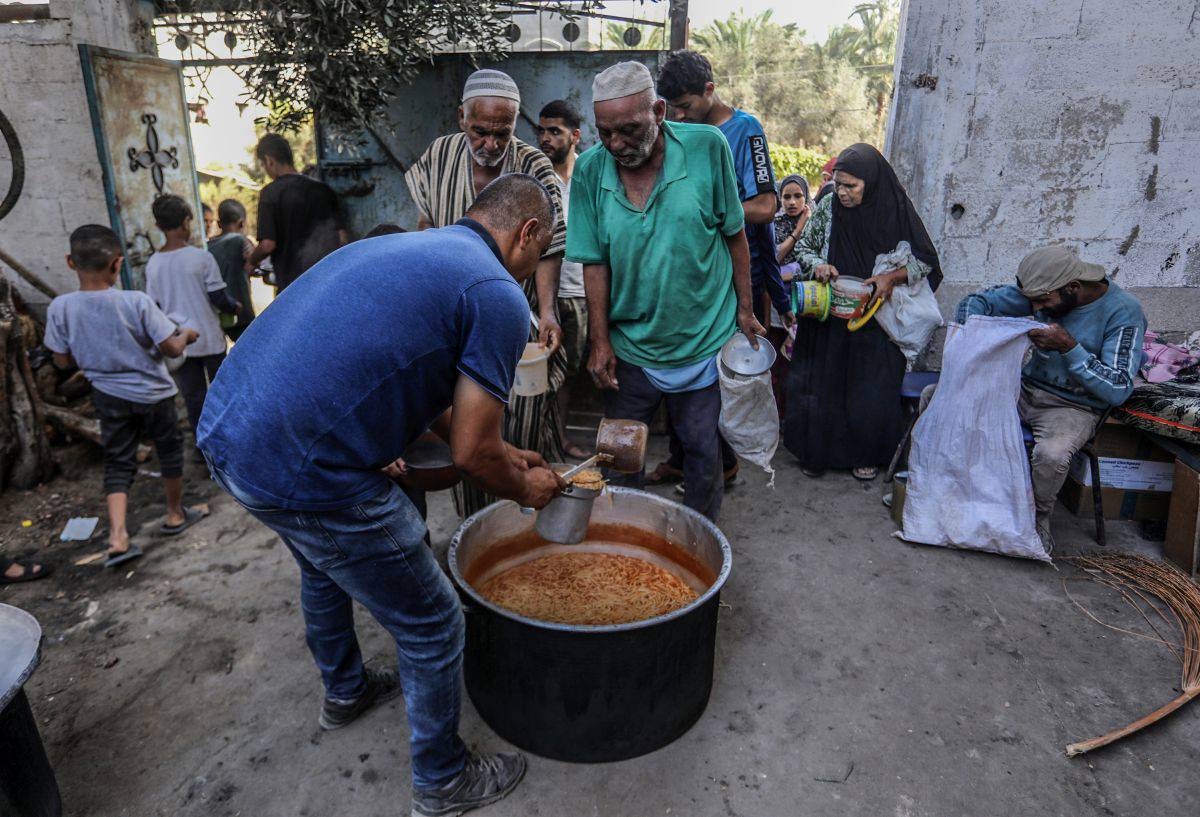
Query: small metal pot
899	492
565	520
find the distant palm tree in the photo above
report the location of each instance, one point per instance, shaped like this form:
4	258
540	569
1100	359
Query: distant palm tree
876	40
737	33
870	47
653	37
877	47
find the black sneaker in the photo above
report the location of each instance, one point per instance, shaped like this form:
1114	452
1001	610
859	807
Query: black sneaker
382	685
484	780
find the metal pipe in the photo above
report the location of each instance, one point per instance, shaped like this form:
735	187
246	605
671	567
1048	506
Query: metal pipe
594	15
23	12
212	62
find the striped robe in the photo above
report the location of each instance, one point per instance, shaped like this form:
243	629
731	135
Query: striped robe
442	188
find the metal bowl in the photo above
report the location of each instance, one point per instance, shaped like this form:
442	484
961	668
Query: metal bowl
430	464
740	358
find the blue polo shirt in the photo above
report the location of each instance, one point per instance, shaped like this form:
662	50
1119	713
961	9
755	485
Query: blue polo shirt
752	166
356	358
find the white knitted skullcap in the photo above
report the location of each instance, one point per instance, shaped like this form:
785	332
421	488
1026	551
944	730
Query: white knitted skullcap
620	80
489	82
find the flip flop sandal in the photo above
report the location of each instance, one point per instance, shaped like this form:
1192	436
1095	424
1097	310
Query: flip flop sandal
190	517
134	552
865	474
29	575
664	475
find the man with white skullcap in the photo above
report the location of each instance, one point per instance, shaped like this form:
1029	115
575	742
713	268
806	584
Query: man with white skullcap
1086	357
443	184
658	224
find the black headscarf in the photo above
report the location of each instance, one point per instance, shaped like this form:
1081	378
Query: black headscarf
885	217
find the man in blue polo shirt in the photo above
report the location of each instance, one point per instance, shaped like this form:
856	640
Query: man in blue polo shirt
685	81
378	342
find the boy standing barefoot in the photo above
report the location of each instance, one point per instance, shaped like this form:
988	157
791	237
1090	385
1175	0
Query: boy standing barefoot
118	338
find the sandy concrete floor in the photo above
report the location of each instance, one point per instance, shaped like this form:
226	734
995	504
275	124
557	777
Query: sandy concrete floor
856	675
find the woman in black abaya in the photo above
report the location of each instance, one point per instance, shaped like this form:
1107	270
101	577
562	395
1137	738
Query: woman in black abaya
843	400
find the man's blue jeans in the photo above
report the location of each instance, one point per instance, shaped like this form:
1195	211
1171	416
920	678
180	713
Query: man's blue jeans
374	553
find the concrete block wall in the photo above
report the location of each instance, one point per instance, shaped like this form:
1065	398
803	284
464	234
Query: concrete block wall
42	94
1056	120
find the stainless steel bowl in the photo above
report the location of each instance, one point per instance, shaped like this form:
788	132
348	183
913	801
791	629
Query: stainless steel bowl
742	359
430	464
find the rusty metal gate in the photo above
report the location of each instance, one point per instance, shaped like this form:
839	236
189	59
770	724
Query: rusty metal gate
139	116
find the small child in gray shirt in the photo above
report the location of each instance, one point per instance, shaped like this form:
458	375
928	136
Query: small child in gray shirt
118	338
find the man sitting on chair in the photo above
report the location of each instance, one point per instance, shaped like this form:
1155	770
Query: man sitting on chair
1083	363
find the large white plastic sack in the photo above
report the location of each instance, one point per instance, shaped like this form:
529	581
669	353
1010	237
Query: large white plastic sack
969	484
749	419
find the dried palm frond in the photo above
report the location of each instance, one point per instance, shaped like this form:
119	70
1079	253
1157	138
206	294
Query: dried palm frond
1156	591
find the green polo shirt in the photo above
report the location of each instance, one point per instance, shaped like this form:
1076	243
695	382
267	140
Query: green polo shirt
671	298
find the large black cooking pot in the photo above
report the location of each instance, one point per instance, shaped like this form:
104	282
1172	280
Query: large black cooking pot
591	694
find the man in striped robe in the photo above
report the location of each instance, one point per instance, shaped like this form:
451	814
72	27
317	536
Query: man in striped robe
443	184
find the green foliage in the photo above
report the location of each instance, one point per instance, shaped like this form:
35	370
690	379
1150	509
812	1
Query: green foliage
304	150
808	163
344	59
737	33
213	192
823	96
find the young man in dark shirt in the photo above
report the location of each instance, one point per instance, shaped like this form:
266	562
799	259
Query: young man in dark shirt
299	220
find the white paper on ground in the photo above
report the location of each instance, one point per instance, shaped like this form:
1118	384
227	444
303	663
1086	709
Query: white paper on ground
79	529
969	484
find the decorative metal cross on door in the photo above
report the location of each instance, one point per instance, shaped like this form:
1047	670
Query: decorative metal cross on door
153	157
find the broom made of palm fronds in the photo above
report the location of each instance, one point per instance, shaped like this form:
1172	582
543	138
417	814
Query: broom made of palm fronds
1155	590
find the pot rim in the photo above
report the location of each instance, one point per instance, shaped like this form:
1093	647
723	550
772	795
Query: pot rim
702	599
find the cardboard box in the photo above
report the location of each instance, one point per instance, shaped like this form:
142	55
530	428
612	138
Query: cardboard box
1117	503
1127	474
1183	524
1136	477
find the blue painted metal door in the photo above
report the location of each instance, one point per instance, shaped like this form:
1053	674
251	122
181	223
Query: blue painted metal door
370	177
139	116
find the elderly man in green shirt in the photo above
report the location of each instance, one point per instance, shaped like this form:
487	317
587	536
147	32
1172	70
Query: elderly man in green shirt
657	222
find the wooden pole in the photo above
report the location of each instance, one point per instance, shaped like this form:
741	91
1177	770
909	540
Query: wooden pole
33	280
678	24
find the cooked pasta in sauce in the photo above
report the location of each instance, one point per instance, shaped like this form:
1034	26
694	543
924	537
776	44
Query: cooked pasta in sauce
588	588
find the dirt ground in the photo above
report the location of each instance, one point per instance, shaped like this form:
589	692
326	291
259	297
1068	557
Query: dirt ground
856	675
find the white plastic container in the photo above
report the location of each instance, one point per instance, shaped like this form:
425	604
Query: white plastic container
533	371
